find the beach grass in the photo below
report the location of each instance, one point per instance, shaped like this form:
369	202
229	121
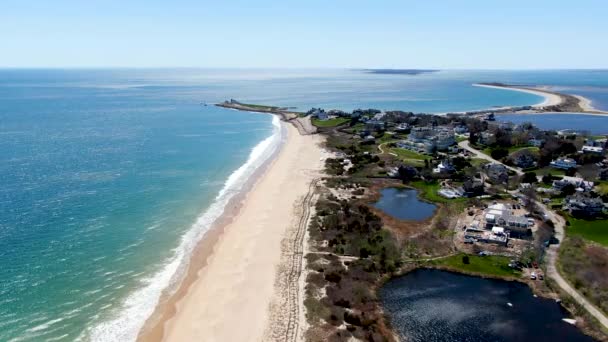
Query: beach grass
492	265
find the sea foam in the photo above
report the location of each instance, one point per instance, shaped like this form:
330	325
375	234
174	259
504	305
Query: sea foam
140	304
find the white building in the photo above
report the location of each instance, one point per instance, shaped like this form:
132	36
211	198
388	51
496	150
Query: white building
592	149
499	215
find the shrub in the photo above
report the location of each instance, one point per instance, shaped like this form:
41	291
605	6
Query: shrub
465	259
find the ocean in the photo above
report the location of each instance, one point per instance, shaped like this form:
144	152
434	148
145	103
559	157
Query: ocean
109	177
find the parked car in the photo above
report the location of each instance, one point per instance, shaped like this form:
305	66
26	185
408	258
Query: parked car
533	276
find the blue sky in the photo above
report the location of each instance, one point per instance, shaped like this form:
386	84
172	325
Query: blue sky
469	34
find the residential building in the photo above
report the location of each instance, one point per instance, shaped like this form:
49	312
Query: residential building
499	215
524	160
402	128
375	125
579	183
472	188
583	206
564	163
487	138
461	129
536	142
497	173
603	174
428	139
444	167
592	149
318	113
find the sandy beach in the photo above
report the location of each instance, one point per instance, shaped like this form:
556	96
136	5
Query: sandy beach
550	99
237	294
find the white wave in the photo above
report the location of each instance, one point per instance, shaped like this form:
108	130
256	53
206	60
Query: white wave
138	306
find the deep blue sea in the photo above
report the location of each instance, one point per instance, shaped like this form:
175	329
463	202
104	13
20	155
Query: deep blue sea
108	178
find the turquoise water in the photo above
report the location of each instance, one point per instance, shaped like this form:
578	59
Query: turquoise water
109	177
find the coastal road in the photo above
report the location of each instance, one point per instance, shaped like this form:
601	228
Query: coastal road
478	154
552	271
553	250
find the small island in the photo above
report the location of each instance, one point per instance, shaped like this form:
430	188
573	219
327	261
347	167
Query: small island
410	72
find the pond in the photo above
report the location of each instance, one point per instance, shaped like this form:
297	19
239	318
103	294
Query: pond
593	124
404	204
432	305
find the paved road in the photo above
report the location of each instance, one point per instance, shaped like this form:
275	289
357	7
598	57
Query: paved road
478	154
552	254
552	251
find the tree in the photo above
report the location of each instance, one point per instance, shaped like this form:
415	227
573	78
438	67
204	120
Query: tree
568	190
465	260
473	138
529	177
499	153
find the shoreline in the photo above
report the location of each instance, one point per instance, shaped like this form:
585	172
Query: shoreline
218	258
553	103
153	328
550	99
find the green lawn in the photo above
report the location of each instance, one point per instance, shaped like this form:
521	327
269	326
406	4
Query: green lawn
407	154
262	107
602	187
477	162
459	139
428	191
488	265
548	169
409	157
594	230
330	123
386	137
519	148
488	150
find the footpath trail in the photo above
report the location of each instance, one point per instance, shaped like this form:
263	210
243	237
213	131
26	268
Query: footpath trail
553	250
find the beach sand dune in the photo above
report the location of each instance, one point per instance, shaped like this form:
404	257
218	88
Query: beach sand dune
230	300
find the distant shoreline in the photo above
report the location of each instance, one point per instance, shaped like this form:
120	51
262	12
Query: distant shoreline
554	102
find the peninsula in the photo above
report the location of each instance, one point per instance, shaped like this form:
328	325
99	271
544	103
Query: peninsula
555	102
